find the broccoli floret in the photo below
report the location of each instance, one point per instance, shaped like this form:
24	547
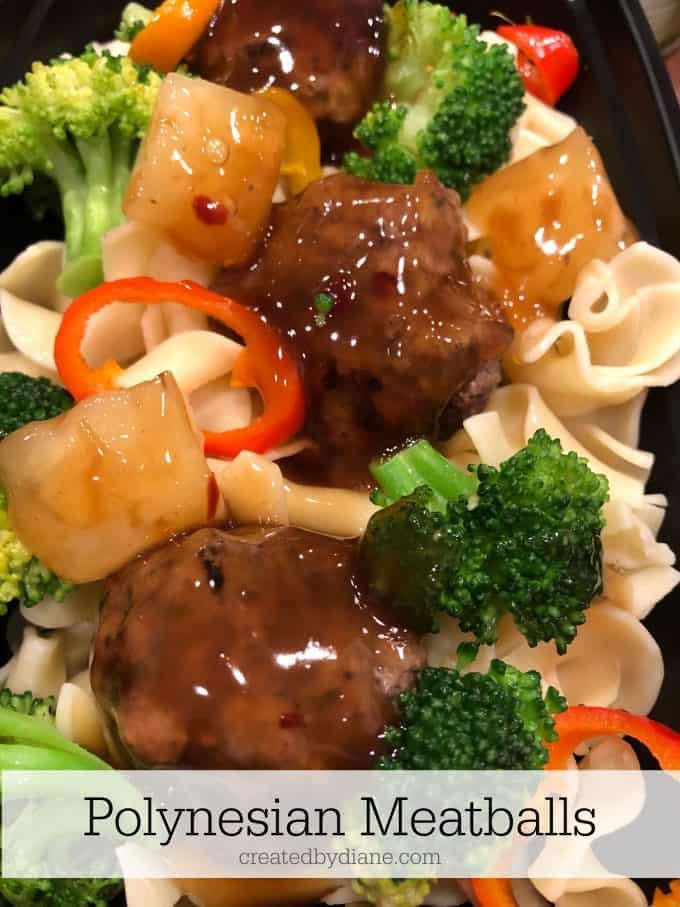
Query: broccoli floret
379	131
28	704
59	892
473	722
29	742
135	17
528	545
24	399
24	579
393	892
450	101
450	721
78	121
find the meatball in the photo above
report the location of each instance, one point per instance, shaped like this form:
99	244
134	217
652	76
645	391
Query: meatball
326	51
371	284
248	649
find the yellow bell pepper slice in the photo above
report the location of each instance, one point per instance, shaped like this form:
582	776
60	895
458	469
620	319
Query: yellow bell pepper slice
302	155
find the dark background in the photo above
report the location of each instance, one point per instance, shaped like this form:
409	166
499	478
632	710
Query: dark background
623	98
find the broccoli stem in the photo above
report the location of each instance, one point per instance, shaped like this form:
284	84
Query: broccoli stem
106	161
68	174
418	465
83	268
122	159
38	733
23	757
97	156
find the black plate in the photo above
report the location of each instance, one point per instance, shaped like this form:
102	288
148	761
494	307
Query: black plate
623	98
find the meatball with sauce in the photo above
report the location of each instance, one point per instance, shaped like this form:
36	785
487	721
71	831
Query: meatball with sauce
248	649
370	284
328	52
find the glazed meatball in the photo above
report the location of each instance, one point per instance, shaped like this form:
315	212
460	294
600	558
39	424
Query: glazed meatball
249	649
370	283
328	52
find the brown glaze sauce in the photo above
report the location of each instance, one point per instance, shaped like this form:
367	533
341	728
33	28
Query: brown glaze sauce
543	220
328	52
249	649
407	327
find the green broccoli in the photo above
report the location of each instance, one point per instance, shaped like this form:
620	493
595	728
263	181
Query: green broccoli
29	742
59	892
24	578
450	101
473	722
28	704
78	121
393	892
135	17
450	721
527	544
416	465
25	399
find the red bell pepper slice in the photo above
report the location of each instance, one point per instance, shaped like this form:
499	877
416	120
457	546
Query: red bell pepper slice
547	60
580	723
264	363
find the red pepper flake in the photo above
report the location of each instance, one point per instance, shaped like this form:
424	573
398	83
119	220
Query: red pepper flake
211	212
290	720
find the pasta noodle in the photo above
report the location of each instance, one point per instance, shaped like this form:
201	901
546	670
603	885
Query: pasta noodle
614	892
588	892
141	892
150	892
134	249
177	354
31	329
622	336
33	275
218	406
30	307
611	754
77	718
215	405
39	665
17	362
256	492
629	678
516	412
